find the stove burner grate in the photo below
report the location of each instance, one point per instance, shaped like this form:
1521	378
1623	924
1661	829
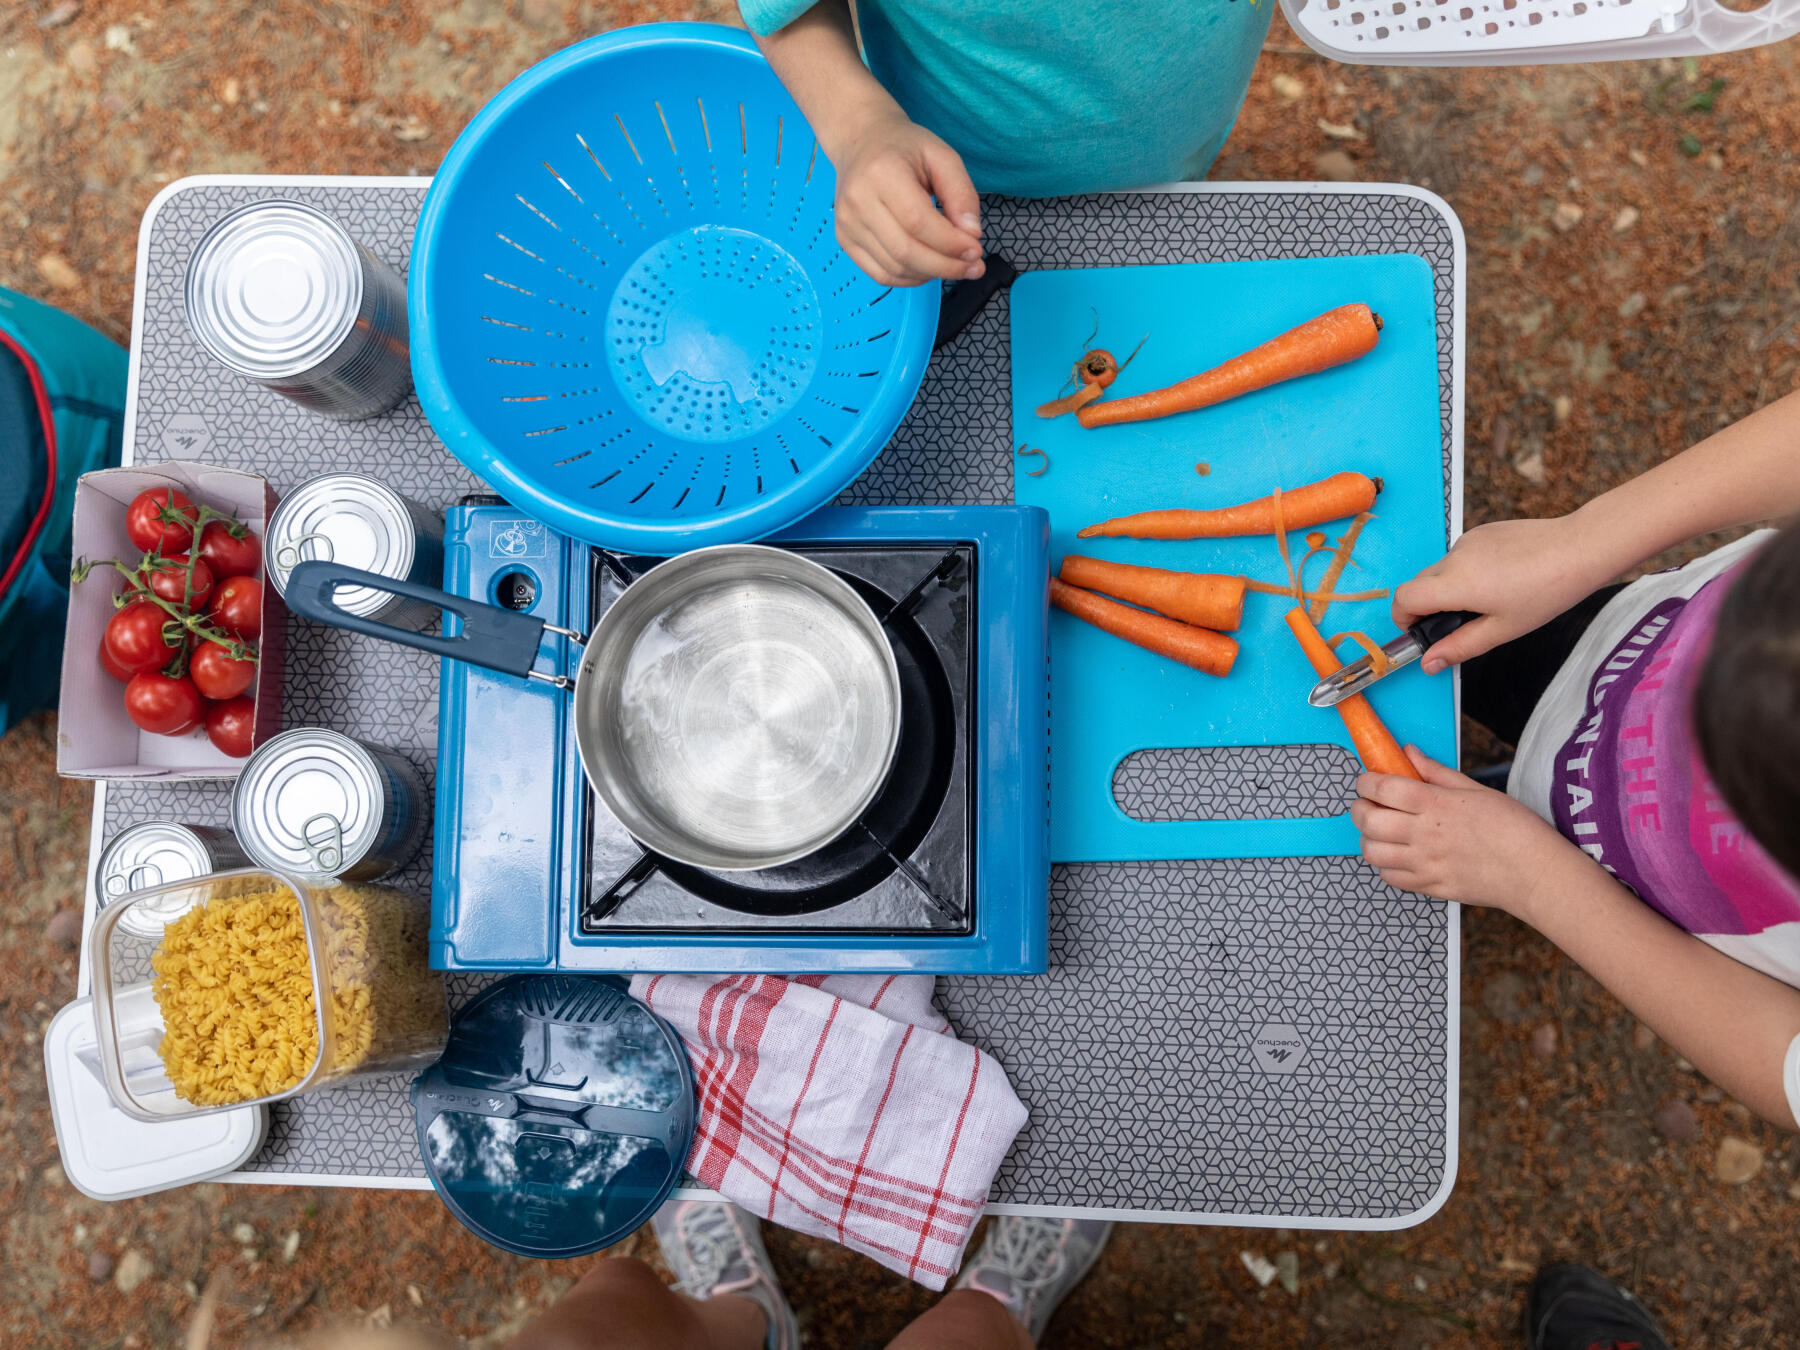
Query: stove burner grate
881	844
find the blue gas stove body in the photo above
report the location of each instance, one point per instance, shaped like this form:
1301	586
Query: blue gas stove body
531	873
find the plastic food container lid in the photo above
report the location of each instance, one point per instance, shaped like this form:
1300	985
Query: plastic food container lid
560	1115
109	1155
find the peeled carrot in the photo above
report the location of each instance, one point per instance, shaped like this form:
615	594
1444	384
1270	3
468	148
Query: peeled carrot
1333	498
1375	744
1199	598
1334	337
1200	648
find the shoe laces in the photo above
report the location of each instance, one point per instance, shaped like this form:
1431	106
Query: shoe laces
1031	1251
712	1244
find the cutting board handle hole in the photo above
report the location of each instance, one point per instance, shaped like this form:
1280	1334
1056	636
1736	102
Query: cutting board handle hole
1236	782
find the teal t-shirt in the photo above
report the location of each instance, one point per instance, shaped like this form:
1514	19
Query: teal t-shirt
1042	100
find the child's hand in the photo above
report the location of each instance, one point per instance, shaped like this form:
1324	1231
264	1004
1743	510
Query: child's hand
1516	574
886	219
1451	838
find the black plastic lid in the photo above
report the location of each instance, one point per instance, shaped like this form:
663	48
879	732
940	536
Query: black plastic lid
560	1115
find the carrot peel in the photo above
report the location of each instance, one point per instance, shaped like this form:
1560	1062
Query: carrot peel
1083	396
1335	597
1339	560
1378	659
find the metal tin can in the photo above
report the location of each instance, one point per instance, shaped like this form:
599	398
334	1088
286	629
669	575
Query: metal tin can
320	804
282	293
156	853
359	521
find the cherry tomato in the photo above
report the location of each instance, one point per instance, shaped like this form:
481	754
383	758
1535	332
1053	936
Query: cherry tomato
219	674
134	637
168	579
230	723
237	606
167	705
112	667
228	556
149	531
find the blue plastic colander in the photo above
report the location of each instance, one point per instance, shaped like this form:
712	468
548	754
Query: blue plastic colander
629	311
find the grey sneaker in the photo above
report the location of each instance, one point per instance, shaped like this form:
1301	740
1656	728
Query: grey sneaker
716	1248
1030	1264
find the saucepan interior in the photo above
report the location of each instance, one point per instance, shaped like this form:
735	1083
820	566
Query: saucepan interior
738	707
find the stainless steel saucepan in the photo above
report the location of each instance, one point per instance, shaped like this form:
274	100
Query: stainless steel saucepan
737	707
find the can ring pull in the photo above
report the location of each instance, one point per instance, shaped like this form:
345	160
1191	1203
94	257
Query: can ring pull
150	871
288	556
327	846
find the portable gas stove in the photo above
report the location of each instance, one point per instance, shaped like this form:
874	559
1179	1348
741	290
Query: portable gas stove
948	870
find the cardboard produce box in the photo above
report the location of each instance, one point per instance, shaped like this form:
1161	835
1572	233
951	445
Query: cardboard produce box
95	737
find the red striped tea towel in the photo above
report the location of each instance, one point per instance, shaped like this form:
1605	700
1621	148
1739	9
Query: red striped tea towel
840	1106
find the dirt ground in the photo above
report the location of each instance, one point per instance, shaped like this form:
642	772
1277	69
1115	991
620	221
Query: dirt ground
1633	269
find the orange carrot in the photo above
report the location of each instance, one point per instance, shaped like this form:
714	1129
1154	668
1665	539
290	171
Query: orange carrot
1375	744
1333	498
1096	369
1334	337
1198	598
1200	648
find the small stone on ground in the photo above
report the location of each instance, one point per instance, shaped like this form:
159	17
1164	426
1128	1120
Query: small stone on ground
1261	1269
133	1269
1675	1120
1287	1270
64	929
1739	1160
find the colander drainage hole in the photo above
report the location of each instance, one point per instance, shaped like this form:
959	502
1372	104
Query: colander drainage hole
709	337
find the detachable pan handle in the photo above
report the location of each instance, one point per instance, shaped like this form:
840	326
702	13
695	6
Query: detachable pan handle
497	639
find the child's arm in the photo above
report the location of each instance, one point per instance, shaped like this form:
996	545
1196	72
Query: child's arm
1451	838
888	167
1519	574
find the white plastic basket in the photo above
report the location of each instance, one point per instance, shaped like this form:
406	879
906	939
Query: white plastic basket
1531	32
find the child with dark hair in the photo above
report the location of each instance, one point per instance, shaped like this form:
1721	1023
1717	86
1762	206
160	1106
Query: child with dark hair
1653	825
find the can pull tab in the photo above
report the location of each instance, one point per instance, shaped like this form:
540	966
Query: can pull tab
323	836
142	876
289	555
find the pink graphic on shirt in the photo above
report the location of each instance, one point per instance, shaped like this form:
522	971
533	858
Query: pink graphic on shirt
1630	787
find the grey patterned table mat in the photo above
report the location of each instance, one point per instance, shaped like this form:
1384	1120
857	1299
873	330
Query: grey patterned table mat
1216	1040
1236	782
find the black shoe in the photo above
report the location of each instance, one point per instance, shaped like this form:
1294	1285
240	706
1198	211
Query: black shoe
1573	1308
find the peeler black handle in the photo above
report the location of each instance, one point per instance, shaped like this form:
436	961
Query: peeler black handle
1434	628
493	638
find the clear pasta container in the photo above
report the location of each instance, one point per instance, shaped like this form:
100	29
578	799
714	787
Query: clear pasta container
254	986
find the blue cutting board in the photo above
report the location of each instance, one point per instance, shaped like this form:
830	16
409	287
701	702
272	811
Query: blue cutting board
1378	415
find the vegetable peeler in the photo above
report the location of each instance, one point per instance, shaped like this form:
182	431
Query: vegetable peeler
1402	651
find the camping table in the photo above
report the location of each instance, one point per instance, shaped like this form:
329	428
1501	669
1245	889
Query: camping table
1137	1053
